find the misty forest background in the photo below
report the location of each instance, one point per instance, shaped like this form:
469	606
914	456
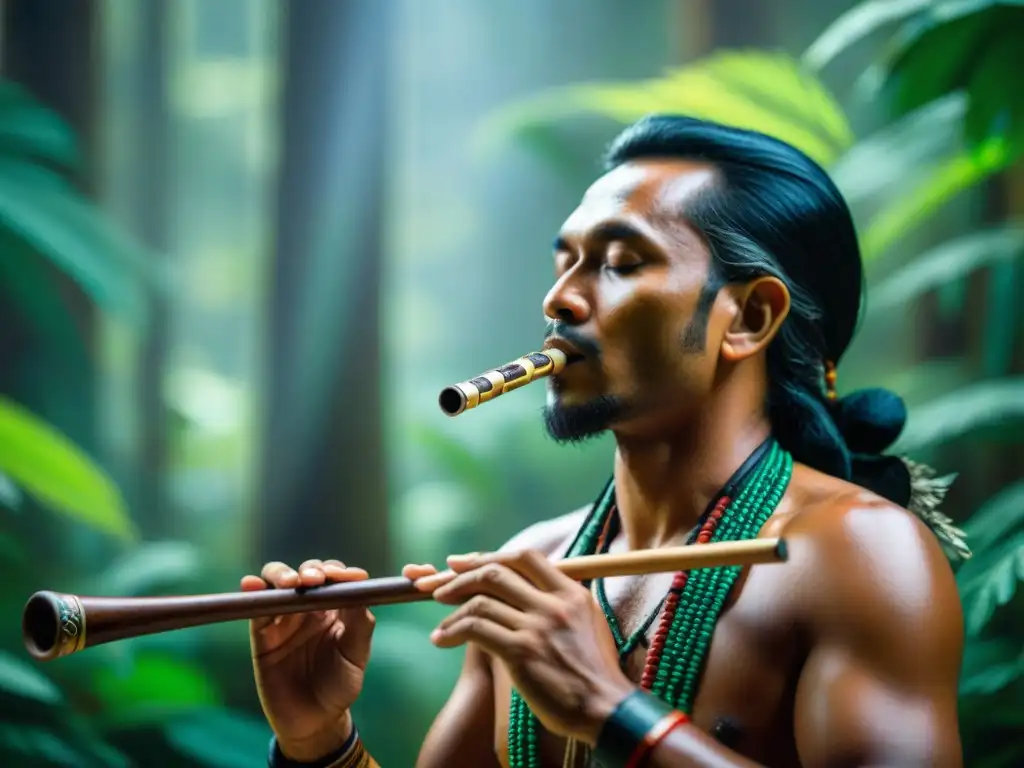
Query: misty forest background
243	244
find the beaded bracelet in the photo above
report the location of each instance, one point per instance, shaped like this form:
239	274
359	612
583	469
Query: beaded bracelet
352	754
636	726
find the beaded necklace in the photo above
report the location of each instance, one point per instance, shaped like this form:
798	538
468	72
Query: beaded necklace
690	610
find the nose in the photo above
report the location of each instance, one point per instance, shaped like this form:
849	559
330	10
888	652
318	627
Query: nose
567	302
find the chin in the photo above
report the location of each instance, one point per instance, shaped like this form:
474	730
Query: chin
574	422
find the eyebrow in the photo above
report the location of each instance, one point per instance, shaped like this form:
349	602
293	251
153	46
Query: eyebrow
606	233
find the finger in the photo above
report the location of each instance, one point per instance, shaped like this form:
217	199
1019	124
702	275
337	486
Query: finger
486	608
311	573
529	563
497	581
335	570
279	575
415	572
501	641
252	583
435	580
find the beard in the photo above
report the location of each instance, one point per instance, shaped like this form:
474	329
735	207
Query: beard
577	423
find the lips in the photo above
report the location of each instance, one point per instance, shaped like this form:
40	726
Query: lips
571	352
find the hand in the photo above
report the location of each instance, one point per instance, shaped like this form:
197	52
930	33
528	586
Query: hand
309	667
546	629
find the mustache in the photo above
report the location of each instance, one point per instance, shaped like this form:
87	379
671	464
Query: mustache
588	347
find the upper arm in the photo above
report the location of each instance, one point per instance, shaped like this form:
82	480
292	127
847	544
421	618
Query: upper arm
879	686
463	732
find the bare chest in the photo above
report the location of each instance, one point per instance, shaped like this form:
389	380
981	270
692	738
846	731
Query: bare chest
745	696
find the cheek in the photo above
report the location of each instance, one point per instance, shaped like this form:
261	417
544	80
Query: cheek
647	332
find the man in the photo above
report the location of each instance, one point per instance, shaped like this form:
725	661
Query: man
704	288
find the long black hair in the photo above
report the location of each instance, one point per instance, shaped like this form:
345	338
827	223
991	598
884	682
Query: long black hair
774	211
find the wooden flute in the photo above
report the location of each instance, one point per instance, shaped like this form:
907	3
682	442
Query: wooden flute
56	624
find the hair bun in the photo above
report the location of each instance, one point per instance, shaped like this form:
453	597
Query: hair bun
869	420
888	476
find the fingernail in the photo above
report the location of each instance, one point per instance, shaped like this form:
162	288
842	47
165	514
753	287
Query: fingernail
464	558
289	574
435	635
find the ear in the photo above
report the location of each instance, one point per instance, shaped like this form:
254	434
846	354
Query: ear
762	305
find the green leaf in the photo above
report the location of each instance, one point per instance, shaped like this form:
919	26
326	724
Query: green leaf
989	580
950	179
20	679
989	666
856	24
41	746
936	52
153	683
997	108
880	162
30	131
962	412
148	568
948	263
221	739
767	92
10	496
47	465
39	208
997	517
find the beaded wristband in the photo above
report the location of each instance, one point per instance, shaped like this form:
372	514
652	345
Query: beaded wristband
349	755
635	727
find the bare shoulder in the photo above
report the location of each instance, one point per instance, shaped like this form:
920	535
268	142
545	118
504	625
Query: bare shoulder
867	557
549	536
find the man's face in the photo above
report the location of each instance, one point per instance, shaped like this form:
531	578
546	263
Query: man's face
633	293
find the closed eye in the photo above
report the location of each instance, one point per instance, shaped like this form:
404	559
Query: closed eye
624	269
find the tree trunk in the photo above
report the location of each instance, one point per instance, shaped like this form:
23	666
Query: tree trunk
323	492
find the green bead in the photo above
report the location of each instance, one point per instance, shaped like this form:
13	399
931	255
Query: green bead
700	605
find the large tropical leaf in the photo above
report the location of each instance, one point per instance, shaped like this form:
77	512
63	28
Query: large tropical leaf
28	131
19	679
38	207
948	263
768	92
881	163
36	745
856	24
970	45
44	463
990	665
998	517
958	174
962	412
989	580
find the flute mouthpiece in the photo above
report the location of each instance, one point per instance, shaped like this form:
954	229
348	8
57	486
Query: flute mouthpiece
461	397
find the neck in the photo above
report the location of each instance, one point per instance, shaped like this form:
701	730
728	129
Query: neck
664	484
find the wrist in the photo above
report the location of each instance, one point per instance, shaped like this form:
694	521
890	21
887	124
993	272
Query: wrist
314	749
635	727
601	705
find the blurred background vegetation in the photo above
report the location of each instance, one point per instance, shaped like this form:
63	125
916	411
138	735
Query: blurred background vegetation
244	243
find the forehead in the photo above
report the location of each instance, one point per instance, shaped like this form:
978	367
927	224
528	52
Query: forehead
649	195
